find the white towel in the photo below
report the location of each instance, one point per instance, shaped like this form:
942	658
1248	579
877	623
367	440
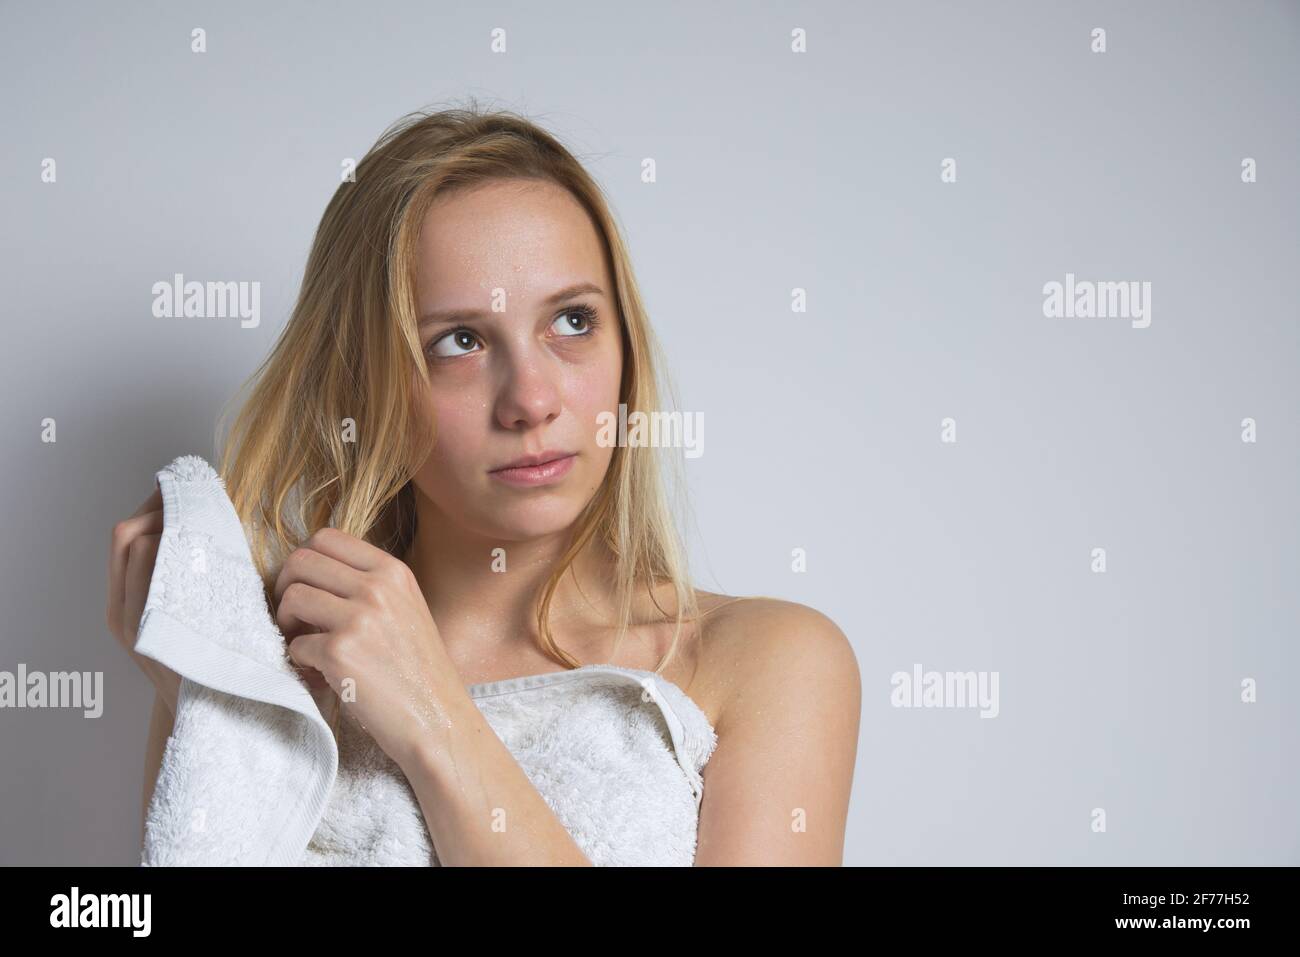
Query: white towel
248	768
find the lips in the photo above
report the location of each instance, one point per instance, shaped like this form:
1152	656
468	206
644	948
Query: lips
542	473
541	458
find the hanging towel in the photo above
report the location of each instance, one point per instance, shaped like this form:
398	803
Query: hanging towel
248	768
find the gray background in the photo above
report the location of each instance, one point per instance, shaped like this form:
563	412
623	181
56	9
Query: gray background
776	171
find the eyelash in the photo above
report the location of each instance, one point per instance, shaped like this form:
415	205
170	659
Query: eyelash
588	313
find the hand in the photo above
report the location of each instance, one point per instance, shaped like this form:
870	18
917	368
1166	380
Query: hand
356	615
133	550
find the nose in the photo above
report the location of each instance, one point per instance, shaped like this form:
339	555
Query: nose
530	396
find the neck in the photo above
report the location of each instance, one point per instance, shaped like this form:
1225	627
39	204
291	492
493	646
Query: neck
481	591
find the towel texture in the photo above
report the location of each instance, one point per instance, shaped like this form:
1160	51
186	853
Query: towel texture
615	752
252	774
248	767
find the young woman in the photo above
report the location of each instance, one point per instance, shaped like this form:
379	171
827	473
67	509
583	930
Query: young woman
435	507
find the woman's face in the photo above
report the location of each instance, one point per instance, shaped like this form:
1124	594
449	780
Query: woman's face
524	380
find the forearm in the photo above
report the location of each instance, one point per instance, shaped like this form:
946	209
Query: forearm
479	805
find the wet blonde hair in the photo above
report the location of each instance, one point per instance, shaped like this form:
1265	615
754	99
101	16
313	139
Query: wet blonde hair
351	352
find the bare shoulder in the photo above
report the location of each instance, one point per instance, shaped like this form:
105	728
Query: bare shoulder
779	780
759	650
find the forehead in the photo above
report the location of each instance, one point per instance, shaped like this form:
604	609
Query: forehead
528	237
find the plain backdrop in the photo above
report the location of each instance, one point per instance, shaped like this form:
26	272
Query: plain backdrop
776	170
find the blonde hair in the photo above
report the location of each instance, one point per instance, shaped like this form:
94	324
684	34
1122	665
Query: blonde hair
351	351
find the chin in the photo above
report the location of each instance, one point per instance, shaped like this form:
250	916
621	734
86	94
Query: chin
534	519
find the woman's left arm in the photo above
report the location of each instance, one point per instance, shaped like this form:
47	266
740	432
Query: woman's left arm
371	637
777	785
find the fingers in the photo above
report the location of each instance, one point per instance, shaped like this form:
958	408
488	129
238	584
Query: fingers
349	549
305	608
307	651
311	595
148	519
320	570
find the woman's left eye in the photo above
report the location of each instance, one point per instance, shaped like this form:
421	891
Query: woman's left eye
581	314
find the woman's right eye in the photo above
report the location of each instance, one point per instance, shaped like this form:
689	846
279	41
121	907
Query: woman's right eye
454	338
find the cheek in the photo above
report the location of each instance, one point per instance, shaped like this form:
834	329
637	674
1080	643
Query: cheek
457	417
596	388
592	394
592	399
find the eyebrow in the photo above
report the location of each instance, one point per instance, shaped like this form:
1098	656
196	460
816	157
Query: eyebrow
440	316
